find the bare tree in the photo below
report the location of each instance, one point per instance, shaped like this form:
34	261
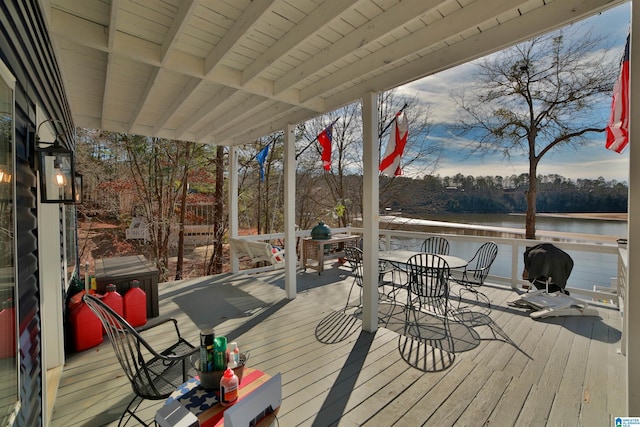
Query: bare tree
537	97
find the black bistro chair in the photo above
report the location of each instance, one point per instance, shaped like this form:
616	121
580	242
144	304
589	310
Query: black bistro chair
428	293
476	272
353	256
435	245
154	374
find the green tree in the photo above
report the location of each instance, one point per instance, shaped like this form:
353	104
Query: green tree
537	97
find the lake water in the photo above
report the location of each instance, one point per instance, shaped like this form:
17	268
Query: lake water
615	228
590	269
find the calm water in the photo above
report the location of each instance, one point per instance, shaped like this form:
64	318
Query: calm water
590	269
567	225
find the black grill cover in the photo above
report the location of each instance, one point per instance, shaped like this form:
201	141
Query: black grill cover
545	260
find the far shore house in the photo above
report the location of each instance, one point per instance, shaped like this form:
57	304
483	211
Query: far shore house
216	72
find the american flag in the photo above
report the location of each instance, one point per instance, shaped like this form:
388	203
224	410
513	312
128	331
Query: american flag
618	127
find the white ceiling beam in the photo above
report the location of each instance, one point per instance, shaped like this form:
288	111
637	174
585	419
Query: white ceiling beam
310	25
215	103
134	48
455	23
175	105
185	11
113	25
265	116
144	96
231	114
379	26
238	30
555	15
275	125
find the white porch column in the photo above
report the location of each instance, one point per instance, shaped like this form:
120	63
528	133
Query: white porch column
290	284
632	299
233	204
370	211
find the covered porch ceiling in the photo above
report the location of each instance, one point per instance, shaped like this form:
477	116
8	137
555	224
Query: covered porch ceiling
228	71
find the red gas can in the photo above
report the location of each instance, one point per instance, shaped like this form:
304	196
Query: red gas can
135	305
7	330
113	299
86	328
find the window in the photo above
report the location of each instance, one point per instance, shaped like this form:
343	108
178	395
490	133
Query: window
8	310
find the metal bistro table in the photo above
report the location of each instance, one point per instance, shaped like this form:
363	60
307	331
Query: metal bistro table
401	257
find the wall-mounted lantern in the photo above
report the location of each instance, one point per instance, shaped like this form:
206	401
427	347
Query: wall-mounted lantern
57	171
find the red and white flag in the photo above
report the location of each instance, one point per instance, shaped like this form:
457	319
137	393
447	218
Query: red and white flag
390	163
324	138
618	126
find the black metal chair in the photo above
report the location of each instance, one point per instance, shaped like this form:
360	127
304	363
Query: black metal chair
428	291
153	374
477	270
353	256
435	245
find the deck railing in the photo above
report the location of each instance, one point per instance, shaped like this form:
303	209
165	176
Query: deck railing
599	268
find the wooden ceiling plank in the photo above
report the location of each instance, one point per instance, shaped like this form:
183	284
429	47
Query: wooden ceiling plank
151	82
183	17
247	20
377	27
555	15
309	26
452	24
230	114
176	104
213	104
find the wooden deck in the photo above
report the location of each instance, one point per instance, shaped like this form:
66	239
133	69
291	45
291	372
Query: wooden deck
499	369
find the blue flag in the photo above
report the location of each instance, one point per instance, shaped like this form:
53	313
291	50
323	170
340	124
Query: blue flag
261	157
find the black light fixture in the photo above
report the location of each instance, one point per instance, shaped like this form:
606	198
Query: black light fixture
57	171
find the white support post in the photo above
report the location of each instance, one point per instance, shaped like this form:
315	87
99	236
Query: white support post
291	259
233	204
632	299
370	211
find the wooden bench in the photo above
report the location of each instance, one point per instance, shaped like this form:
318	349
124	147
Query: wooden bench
258	251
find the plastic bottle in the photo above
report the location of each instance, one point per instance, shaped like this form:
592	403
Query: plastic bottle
228	388
135	305
220	353
233	355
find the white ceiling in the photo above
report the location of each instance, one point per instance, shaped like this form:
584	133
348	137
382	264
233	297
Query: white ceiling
229	71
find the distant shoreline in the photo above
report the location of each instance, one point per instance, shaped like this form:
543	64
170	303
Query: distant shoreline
588	215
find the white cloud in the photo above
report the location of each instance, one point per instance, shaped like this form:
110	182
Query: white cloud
589	161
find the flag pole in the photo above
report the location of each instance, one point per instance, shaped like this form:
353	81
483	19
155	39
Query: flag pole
391	122
315	139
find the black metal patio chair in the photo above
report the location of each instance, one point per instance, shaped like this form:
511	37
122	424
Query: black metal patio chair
428	296
353	256
154	374
435	245
476	272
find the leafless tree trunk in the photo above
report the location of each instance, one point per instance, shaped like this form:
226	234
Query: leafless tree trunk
537	97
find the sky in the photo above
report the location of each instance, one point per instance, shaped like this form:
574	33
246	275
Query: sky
590	161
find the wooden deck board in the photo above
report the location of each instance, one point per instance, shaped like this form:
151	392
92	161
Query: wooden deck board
507	369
